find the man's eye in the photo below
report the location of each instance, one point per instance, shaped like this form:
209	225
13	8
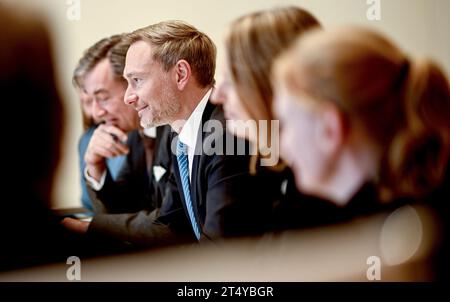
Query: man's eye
103	101
136	80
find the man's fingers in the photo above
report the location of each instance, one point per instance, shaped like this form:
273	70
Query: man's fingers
108	151
121	148
103	143
75	225
116	133
115	148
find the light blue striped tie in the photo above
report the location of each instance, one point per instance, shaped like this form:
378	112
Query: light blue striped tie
183	165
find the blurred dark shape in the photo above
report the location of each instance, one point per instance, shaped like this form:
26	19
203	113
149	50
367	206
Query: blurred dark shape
31	149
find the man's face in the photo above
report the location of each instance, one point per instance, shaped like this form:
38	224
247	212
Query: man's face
151	90
86	105
107	93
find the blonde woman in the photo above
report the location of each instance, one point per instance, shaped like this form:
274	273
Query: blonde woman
252	44
372	124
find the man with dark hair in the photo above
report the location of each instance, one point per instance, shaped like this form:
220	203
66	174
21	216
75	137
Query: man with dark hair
134	187
91	57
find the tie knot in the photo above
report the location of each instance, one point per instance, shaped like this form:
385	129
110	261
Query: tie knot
181	148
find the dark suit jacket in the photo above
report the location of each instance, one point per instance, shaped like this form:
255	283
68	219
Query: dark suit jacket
227	199
223	193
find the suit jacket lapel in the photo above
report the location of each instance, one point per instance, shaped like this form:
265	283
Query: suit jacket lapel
195	194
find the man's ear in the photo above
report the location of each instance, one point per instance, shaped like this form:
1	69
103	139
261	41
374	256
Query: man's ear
331	130
182	73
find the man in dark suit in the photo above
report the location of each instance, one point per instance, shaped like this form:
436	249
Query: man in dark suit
170	72
90	58
125	205
140	181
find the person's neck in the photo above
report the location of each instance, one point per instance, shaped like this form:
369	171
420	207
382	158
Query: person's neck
189	99
353	168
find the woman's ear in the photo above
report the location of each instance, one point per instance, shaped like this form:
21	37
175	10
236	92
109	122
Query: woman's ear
331	130
182	73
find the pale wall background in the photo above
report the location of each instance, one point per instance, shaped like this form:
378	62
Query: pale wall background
419	26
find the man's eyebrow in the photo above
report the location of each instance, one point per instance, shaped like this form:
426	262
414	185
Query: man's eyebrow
100	90
132	74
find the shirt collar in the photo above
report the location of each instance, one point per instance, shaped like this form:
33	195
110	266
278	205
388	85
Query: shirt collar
150	132
189	132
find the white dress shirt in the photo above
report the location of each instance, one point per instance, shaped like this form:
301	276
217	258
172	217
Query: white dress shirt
189	132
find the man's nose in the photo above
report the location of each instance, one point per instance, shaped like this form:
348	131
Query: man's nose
97	111
130	98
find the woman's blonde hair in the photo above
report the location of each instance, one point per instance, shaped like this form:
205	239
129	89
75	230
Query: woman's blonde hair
403	104
252	43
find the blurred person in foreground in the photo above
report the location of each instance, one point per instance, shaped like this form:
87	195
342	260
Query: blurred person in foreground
370	122
31	234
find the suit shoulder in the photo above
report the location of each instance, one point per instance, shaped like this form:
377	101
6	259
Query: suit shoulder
213	112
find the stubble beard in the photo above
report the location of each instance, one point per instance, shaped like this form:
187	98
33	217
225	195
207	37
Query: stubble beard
166	113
